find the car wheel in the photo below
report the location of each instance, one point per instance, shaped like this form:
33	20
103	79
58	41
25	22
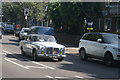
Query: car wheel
22	52
108	59
35	57
60	59
82	54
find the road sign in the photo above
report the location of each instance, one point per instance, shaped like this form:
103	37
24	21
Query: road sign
26	11
90	26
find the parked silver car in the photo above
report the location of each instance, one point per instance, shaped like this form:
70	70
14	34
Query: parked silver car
100	45
42	46
23	33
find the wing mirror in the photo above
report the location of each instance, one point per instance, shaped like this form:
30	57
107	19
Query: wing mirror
99	40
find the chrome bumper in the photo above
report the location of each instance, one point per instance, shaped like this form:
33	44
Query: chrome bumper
52	56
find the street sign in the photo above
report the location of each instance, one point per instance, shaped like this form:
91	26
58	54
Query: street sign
26	11
90	26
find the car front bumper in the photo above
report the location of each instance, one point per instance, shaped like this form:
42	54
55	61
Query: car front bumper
52	56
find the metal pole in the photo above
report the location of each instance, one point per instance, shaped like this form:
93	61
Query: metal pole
25	21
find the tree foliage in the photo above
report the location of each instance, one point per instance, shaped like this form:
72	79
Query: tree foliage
71	15
14	11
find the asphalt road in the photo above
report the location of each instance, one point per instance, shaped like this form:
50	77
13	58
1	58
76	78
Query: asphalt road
14	65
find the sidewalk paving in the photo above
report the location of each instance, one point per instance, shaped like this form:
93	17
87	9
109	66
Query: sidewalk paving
70	49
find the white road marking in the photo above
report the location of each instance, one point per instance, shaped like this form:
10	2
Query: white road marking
6	52
17	64
49	77
13	55
35	67
12	59
42	65
60	77
45	66
78	77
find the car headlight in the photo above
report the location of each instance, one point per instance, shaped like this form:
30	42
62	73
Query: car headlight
62	51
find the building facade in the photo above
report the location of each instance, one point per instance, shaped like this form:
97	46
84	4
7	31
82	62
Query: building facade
110	22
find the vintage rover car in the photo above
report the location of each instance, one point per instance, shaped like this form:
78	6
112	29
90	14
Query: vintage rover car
46	46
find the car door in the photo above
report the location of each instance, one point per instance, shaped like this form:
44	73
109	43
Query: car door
29	45
86	43
98	47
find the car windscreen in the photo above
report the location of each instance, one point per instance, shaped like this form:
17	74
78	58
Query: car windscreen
44	38
26	30
112	38
46	31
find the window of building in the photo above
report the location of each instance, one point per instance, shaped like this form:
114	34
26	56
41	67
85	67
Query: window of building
107	24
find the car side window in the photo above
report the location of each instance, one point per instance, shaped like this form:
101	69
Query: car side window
92	37
96	37
36	31
28	38
87	37
32	31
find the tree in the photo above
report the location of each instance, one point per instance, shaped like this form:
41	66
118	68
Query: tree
71	15
14	11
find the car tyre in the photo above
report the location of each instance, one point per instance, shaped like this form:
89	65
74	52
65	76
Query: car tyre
108	59
35	57
82	54
60	59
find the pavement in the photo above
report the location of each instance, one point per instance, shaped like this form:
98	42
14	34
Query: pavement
70	49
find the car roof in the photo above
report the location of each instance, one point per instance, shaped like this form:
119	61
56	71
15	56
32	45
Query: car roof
25	28
38	35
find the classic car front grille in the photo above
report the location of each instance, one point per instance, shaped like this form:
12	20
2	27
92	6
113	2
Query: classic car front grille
52	51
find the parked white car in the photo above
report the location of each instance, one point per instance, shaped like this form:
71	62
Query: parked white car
104	46
42	46
23	33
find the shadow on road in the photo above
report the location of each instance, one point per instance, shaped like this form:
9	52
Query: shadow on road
20	57
93	68
15	44
13	40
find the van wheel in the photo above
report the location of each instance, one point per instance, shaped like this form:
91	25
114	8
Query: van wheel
82	54
108	59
